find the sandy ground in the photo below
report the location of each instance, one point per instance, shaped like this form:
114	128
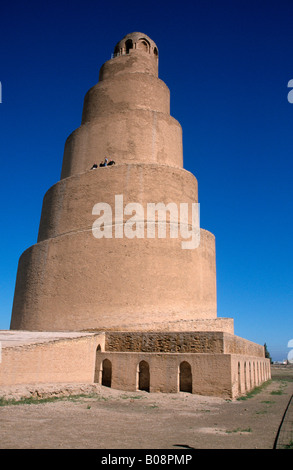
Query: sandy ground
110	419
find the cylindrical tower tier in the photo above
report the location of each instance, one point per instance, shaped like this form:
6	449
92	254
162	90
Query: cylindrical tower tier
136	63
68	205
125	92
127	137
76	282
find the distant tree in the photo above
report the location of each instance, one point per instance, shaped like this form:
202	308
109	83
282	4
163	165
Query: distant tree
267	354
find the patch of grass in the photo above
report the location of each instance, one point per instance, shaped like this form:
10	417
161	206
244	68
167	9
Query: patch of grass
282	385
37	401
128	397
28	401
286	378
288	446
268	402
254	391
239	430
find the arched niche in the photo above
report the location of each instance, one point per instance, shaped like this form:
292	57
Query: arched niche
106	373
144	376
185	377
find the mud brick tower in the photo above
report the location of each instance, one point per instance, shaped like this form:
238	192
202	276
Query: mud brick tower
152	303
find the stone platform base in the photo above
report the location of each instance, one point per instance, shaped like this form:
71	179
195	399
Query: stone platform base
211	363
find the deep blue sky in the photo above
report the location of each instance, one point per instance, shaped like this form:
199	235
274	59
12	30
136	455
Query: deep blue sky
227	64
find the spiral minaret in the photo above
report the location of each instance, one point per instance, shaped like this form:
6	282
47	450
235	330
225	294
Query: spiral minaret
70	280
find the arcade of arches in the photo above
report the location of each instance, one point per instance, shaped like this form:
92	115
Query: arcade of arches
169	372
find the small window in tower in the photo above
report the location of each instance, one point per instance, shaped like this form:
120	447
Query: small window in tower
144	45
156	52
128	45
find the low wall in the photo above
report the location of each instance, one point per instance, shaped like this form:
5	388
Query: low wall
248	372
69	360
237	345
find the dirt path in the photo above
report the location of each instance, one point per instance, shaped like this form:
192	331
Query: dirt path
138	420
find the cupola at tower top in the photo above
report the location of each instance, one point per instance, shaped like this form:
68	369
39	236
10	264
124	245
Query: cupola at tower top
135	53
136	42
